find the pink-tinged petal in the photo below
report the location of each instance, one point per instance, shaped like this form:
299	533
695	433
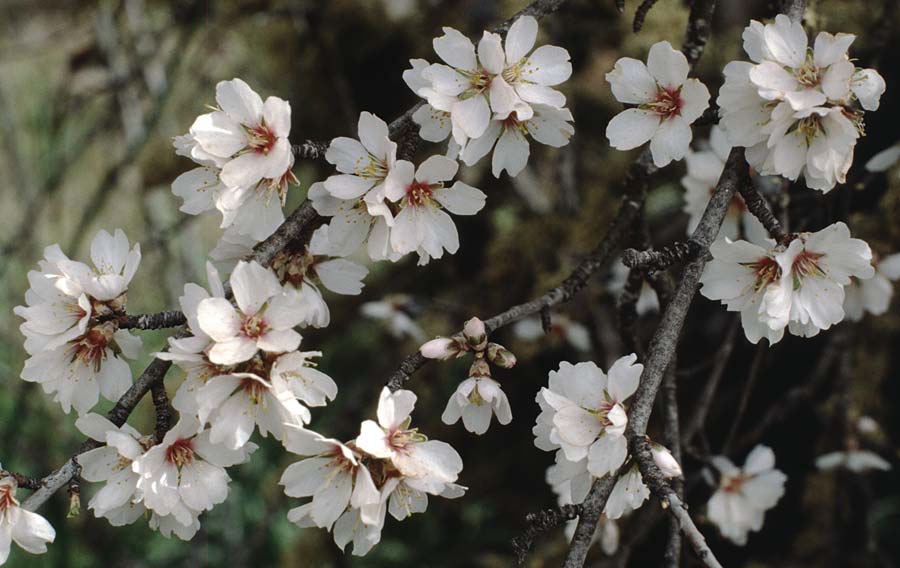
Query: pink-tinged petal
472	115
455	49
218	319
631	82
671	141
490	53
232	351
668	66
520	39
632	128
239	101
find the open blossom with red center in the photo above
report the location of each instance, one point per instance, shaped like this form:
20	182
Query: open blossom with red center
180	452
745	494
263	319
583	412
667	104
422	225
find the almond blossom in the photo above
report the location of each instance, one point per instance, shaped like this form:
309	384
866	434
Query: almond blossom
184	475
583	413
396	311
245	160
704	168
794	108
428	465
366	165
627	495
884	160
857	461
263	320
745	494
561	325
872	295
422	225
668	103
27	529
508	137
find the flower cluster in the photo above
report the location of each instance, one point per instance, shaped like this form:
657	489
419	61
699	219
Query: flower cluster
493	97
478	397
667	104
390	205
71	326
796	109
389	467
745	494
799	286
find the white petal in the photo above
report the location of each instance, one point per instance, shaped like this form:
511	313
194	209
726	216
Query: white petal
632	128
668	66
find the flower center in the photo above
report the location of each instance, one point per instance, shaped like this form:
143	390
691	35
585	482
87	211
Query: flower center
480	81
809	127
606	407
375	168
808	75
767	271
261	139
7	497
418	193
806	264
90	349
279	186
181	452
667	103
254	326
253	389
733	484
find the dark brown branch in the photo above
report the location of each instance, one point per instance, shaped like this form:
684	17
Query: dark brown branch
641	14
758	205
538	524
22	481
698	30
163	409
672	556
701	409
591	509
660	259
160	320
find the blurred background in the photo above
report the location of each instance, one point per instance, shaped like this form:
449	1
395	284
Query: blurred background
91	94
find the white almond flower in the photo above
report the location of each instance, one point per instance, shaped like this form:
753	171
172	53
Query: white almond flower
745	494
422	225
508	137
352	226
247	136
819	265
429	465
874	294
57	310
395	311
184	475
530	76
704	168
27	529
748	279
561	325
333	476
264	318
475	400
884	160
366	165
628	494
793	107
583	412
858	461
111	463
79	371
668	103
434	125
310	268
114	266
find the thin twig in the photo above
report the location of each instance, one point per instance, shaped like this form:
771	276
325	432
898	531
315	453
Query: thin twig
701	409
160	320
641	14
538	524
698	29
672	556
662	258
752	376
759	207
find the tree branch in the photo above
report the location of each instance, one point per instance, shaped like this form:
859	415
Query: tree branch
698	29
160	320
759	207
660	259
538	524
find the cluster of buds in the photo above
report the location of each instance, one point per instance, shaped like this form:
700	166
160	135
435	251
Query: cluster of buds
478	397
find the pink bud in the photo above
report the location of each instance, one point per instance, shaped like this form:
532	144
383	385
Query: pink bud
440	348
665	461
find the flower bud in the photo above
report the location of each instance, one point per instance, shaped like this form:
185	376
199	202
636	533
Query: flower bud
440	348
475	333
500	356
665	461
479	368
